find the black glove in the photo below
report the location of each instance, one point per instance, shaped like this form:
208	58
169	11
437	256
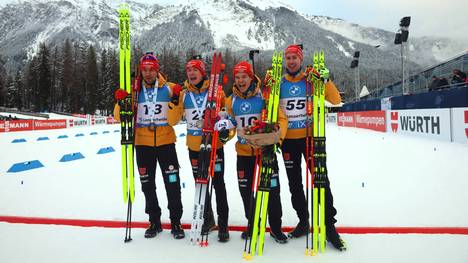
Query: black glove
223	135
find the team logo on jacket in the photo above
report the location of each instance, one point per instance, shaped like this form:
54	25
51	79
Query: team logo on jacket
294	90
245	107
199	100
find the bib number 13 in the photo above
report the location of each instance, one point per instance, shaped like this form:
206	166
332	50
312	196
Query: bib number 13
157	109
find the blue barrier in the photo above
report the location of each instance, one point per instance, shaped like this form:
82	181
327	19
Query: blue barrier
182	135
62	137
104	132
24	166
93	133
79	135
106	150
18	140
43	138
452	98
72	157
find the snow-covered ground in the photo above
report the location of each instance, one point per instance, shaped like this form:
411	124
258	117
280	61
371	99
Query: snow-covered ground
378	180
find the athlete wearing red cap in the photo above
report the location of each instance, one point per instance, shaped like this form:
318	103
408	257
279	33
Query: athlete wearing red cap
292	102
154	142
191	104
244	106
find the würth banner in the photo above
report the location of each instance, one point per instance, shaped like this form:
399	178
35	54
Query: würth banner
428	123
460	125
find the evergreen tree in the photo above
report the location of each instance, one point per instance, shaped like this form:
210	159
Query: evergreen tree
55	94
13	92
2	82
92	81
31	80
2	90
113	76
66	76
44	80
20	90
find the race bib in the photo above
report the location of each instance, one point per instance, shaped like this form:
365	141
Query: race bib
152	114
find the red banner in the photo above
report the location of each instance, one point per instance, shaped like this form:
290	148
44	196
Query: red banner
346	119
371	120
12	126
111	120
49	124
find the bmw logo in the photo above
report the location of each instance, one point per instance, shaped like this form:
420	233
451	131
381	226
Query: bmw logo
199	100
294	91
245	107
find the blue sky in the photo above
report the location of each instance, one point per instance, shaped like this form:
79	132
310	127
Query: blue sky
429	17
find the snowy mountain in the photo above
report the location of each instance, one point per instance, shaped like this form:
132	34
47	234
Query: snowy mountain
204	25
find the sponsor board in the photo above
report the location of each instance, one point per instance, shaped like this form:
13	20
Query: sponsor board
111	120
100	121
332	118
49	124
428	123
346	119
460	125
371	120
17	125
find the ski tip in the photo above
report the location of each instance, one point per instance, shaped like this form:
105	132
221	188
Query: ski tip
248	257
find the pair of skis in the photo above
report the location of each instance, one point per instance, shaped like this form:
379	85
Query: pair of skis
316	156
126	116
207	154
262	181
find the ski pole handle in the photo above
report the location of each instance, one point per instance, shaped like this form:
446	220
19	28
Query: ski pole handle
252	56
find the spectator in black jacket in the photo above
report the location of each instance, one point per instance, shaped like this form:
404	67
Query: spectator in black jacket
458	76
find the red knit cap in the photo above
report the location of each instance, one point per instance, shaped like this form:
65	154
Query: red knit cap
294	49
149	60
198	64
243	67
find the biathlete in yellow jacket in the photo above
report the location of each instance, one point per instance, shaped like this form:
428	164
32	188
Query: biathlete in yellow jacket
192	103
292	102
154	142
245	106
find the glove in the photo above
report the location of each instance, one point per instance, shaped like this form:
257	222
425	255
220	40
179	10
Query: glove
176	89
224	124
312	74
120	94
223	135
269	81
324	73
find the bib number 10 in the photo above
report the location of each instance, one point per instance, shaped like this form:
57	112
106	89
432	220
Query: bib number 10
247	121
